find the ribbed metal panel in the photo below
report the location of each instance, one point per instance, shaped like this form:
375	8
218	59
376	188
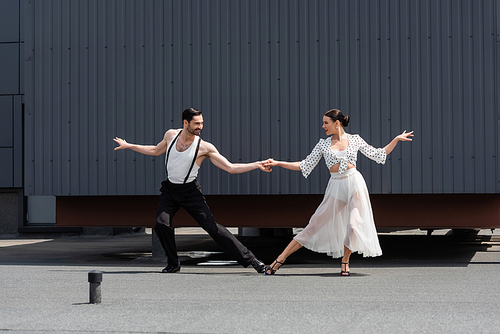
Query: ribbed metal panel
11	146
263	72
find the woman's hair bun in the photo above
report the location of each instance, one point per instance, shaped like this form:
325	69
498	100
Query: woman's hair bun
336	115
345	121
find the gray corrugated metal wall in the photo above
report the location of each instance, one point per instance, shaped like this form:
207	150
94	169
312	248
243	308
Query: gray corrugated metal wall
11	90
263	72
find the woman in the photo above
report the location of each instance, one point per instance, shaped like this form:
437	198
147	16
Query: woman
343	222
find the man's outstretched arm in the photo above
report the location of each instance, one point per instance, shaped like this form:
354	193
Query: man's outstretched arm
221	162
156	150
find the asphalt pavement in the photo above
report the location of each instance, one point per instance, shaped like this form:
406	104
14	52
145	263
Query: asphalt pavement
422	284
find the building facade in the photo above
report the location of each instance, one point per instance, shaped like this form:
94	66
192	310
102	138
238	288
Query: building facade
263	72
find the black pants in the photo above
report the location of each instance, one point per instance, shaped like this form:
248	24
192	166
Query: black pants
189	196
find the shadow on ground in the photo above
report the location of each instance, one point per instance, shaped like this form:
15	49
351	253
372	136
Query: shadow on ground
200	249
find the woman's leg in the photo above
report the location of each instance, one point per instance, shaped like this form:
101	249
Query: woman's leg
345	260
292	247
355	214
327	211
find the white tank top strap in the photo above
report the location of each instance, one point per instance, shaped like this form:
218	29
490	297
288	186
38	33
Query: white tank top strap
181	167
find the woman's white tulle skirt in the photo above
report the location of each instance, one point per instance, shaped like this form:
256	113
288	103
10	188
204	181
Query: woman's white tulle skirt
344	217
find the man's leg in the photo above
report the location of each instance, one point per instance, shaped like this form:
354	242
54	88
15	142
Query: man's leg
164	230
196	206
221	235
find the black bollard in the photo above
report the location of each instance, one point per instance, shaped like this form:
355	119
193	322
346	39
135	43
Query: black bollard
95	279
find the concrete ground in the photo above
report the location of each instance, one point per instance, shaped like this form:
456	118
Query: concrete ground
422	284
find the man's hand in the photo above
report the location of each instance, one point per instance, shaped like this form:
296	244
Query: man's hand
268	164
264	165
155	150
122	142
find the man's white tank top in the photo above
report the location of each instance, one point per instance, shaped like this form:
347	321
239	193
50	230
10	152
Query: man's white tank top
179	162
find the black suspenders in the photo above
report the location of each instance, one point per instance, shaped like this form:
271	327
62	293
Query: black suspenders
194	159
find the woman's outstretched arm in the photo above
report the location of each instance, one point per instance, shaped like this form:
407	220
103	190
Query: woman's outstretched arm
403	137
283	164
305	166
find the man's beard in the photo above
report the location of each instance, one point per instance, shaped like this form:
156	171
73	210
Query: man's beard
193	131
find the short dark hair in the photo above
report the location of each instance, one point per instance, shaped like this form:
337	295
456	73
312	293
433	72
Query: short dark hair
336	115
189	113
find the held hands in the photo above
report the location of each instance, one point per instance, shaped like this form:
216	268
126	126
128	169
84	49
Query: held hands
270	163
122	142
266	165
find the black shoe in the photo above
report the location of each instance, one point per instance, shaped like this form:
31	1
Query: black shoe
274	267
171	269
345	272
259	266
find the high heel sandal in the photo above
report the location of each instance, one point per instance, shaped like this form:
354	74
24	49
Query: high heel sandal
345	272
271	270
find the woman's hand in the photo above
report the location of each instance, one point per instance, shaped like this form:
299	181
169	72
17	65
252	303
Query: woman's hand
269	163
404	136
263	165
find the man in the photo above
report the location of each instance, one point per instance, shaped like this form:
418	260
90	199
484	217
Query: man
185	151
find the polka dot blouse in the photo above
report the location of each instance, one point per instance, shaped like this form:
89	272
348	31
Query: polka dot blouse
323	148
